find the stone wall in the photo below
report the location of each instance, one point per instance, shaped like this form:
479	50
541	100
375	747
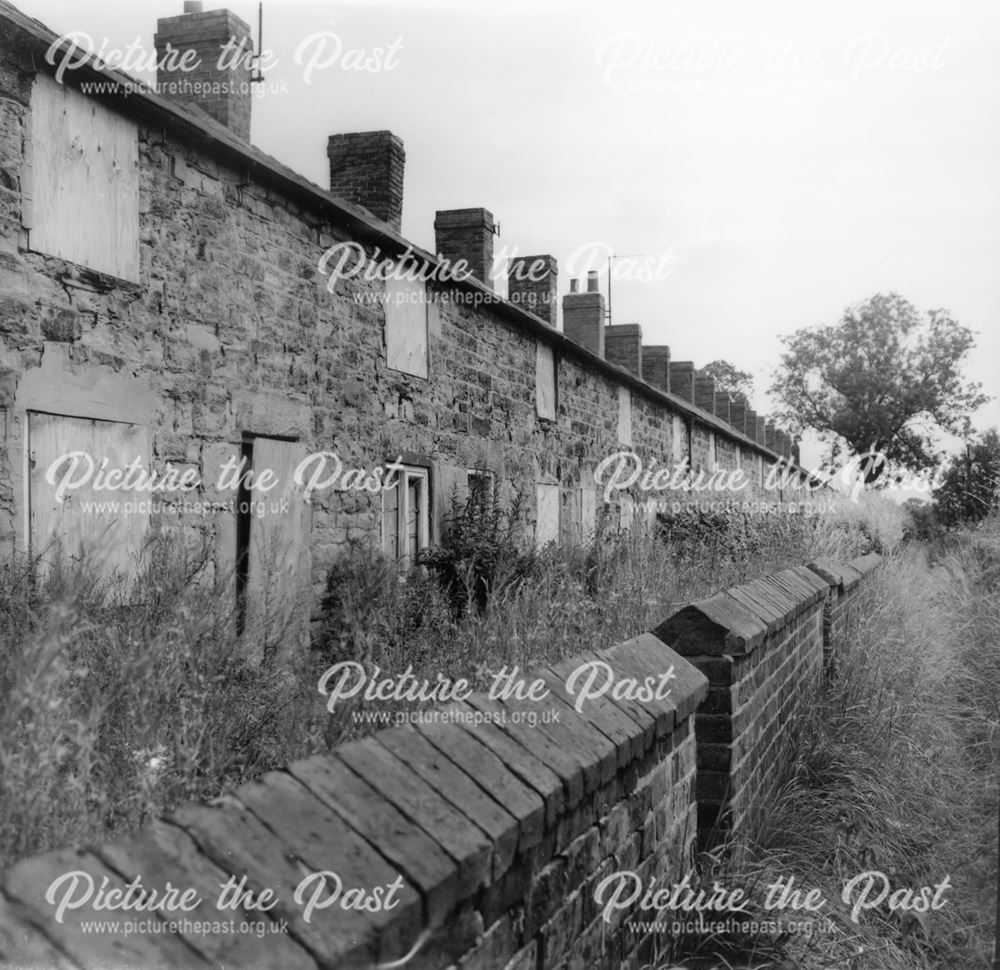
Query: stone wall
232	332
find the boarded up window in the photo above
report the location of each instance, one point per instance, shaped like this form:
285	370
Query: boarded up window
406	326
679	435
273	529
545	381
547	520
82	193
624	416
481	489
406	518
588	513
108	526
713	456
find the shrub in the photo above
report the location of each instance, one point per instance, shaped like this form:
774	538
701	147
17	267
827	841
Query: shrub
482	552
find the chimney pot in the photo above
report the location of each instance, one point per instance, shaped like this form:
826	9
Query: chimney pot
193	6
574	285
583	319
592	281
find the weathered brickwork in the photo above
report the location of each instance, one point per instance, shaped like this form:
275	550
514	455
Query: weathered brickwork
848	602
501	832
500	829
762	646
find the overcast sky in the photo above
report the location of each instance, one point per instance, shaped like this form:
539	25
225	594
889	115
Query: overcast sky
782	160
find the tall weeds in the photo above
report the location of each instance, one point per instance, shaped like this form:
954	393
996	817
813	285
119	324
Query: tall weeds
896	770
118	702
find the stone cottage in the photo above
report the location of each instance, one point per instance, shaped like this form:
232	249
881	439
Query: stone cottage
195	338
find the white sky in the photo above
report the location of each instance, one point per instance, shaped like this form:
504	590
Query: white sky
794	158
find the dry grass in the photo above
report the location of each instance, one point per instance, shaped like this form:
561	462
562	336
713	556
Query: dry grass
896	770
119	703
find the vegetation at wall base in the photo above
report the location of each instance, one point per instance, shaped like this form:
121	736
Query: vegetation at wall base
896	770
117	703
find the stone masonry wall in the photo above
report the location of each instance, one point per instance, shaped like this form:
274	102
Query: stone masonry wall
231	331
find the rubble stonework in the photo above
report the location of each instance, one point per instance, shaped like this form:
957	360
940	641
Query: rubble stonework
233	332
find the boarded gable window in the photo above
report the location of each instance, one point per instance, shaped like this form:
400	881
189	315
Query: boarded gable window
545	381
106	527
405	517
406	327
272	540
82	190
624	416
547	521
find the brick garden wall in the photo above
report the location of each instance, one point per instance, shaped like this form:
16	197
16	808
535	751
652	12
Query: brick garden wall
762	647
496	832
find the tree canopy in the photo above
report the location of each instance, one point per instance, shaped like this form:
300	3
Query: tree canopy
882	380
729	378
970	488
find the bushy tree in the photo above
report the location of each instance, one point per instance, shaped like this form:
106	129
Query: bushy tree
729	378
970	489
883	380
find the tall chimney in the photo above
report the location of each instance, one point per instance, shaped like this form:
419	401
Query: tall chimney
682	379
769	435
722	405
467	234
623	346
750	426
656	366
583	316
366	168
704	393
760	429
532	285
738	414
224	92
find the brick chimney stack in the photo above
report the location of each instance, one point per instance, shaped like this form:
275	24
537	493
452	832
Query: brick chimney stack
584	315
682	379
366	168
722	406
656	366
532	285
704	393
623	346
212	35
467	234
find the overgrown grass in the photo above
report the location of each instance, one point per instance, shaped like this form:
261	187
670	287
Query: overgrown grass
117	704
896	770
